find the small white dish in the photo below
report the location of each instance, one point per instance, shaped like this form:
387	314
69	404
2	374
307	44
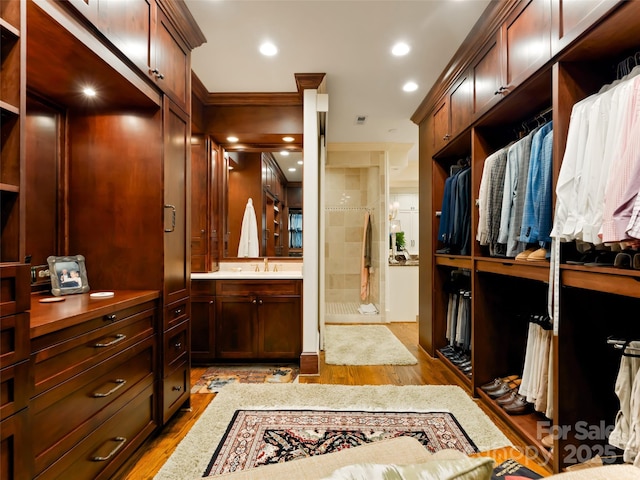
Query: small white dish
102	294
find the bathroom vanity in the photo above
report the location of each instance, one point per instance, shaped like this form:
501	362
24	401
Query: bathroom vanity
246	314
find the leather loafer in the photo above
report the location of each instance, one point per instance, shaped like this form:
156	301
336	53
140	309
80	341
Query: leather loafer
519	406
496	382
503	389
507	397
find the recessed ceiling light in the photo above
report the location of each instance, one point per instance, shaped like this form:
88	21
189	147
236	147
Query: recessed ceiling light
288	139
232	139
268	49
89	92
300	162
284	153
291	169
400	49
410	87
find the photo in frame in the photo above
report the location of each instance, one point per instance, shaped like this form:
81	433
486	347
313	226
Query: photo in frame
68	275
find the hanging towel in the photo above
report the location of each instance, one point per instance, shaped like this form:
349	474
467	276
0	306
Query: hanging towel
248	246
366	258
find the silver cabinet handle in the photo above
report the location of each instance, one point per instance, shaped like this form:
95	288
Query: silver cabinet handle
121	441
173	218
110	318
119	384
119	337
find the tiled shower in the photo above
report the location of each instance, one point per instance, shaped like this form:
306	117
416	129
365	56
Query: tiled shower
350	192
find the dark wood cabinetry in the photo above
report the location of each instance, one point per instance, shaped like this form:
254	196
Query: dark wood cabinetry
11	109
517	54
15	371
258	319
245	319
117	173
205	204
94	364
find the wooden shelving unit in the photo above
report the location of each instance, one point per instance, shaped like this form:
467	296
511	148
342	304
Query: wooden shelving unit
580	46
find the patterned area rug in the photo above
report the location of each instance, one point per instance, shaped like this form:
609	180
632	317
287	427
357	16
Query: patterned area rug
218	376
261	437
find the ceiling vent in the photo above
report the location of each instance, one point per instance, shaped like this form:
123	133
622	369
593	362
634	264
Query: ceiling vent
361	119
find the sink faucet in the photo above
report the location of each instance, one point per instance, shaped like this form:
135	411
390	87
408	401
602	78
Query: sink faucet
266	264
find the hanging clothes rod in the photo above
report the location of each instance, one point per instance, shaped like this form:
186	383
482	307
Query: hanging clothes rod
623	344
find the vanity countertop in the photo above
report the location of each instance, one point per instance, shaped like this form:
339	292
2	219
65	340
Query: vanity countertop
246	271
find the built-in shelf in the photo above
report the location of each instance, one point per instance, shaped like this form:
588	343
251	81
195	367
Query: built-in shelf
8	31
459	373
513	268
602	279
7	187
8	109
528	426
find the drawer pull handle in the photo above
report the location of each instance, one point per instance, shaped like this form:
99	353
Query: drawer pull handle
176	389
110	318
119	338
254	301
178	311
119	384
121	441
178	345
260	302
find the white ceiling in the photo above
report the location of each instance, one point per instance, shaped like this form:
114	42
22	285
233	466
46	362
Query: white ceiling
350	41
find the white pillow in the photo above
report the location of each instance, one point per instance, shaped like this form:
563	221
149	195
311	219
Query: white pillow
459	469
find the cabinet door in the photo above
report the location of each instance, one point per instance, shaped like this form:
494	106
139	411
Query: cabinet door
461	105
441	133
129	25
172	63
409	224
203	324
88	8
199	204
236	323
488	77
571	18
527	41
176	179
279	321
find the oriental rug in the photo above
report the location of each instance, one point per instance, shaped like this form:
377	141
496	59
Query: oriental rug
364	345
262	437
218	376
193	455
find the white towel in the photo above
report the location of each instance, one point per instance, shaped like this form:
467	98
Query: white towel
249	246
368	309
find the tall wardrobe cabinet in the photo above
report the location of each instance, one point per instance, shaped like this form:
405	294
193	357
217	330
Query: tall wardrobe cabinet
527	63
117	193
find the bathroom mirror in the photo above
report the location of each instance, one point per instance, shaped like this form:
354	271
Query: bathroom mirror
273	182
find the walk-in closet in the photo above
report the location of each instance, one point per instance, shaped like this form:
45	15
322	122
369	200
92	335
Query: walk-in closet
559	326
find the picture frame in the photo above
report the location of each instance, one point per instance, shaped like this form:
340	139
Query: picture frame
68	275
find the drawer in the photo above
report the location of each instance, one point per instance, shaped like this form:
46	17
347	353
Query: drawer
176	346
15	288
176	313
60	362
15	456
14	339
69	412
203	287
258	287
99	454
175	391
14	389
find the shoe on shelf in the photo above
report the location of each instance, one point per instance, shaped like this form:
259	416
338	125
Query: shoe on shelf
507	397
519	406
540	255
524	255
496	382
503	389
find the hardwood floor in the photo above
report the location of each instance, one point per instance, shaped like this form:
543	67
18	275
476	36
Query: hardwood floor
429	371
